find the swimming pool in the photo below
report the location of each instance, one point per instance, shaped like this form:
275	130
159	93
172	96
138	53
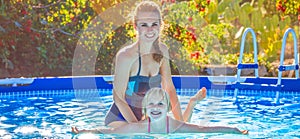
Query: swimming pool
50	114
49	106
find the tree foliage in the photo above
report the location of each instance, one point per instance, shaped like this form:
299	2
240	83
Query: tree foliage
38	37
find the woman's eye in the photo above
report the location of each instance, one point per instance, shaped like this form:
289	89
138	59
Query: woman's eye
143	25
154	25
160	103
150	104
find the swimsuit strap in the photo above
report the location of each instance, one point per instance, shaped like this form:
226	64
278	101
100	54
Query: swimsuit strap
149	125
168	130
140	61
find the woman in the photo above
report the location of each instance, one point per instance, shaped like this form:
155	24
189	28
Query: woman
156	106
141	66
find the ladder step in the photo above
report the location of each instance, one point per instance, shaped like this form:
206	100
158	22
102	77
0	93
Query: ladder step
247	66
288	67
254	86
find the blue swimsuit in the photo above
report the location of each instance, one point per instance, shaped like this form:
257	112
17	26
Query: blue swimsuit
136	89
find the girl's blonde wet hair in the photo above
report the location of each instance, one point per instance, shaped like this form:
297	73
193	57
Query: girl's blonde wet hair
159	91
150	6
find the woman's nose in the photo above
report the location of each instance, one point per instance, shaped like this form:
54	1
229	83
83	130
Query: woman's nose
149	28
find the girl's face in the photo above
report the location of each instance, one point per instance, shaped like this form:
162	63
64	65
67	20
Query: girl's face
148	26
156	106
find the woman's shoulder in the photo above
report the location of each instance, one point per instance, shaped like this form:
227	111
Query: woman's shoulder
140	126
126	52
164	48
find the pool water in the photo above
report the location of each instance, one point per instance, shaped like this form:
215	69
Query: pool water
51	114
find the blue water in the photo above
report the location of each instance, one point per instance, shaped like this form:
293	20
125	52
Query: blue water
51	114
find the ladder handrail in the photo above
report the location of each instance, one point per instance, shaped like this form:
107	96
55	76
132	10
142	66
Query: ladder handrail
296	60
242	51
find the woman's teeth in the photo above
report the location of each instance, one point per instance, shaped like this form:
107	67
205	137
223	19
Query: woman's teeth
150	35
155	113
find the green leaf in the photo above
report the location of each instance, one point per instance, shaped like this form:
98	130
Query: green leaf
260	3
222	6
214	18
274	23
244	18
247	8
257	20
268	23
236	6
229	15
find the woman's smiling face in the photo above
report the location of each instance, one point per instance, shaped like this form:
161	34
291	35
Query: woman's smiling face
148	26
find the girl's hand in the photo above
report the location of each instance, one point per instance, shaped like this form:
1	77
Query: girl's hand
245	132
75	130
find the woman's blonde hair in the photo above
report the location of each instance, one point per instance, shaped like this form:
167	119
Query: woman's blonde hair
149	6
146	6
164	94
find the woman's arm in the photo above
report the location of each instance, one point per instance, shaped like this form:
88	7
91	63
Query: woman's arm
120	85
168	85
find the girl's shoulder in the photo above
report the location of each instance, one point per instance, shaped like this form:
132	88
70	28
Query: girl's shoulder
174	124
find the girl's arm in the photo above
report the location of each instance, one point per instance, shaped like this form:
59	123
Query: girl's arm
75	130
120	85
192	128
139	127
200	95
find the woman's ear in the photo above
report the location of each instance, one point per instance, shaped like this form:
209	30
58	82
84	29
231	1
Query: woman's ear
136	29
134	26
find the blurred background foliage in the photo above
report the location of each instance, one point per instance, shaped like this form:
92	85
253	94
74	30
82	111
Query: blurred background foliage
81	37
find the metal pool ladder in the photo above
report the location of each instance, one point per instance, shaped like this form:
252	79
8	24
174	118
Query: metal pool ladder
276	87
238	85
294	66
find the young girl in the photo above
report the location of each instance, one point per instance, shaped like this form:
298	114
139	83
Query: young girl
141	66
156	105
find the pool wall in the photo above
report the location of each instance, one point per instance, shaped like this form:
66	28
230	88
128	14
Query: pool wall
105	82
